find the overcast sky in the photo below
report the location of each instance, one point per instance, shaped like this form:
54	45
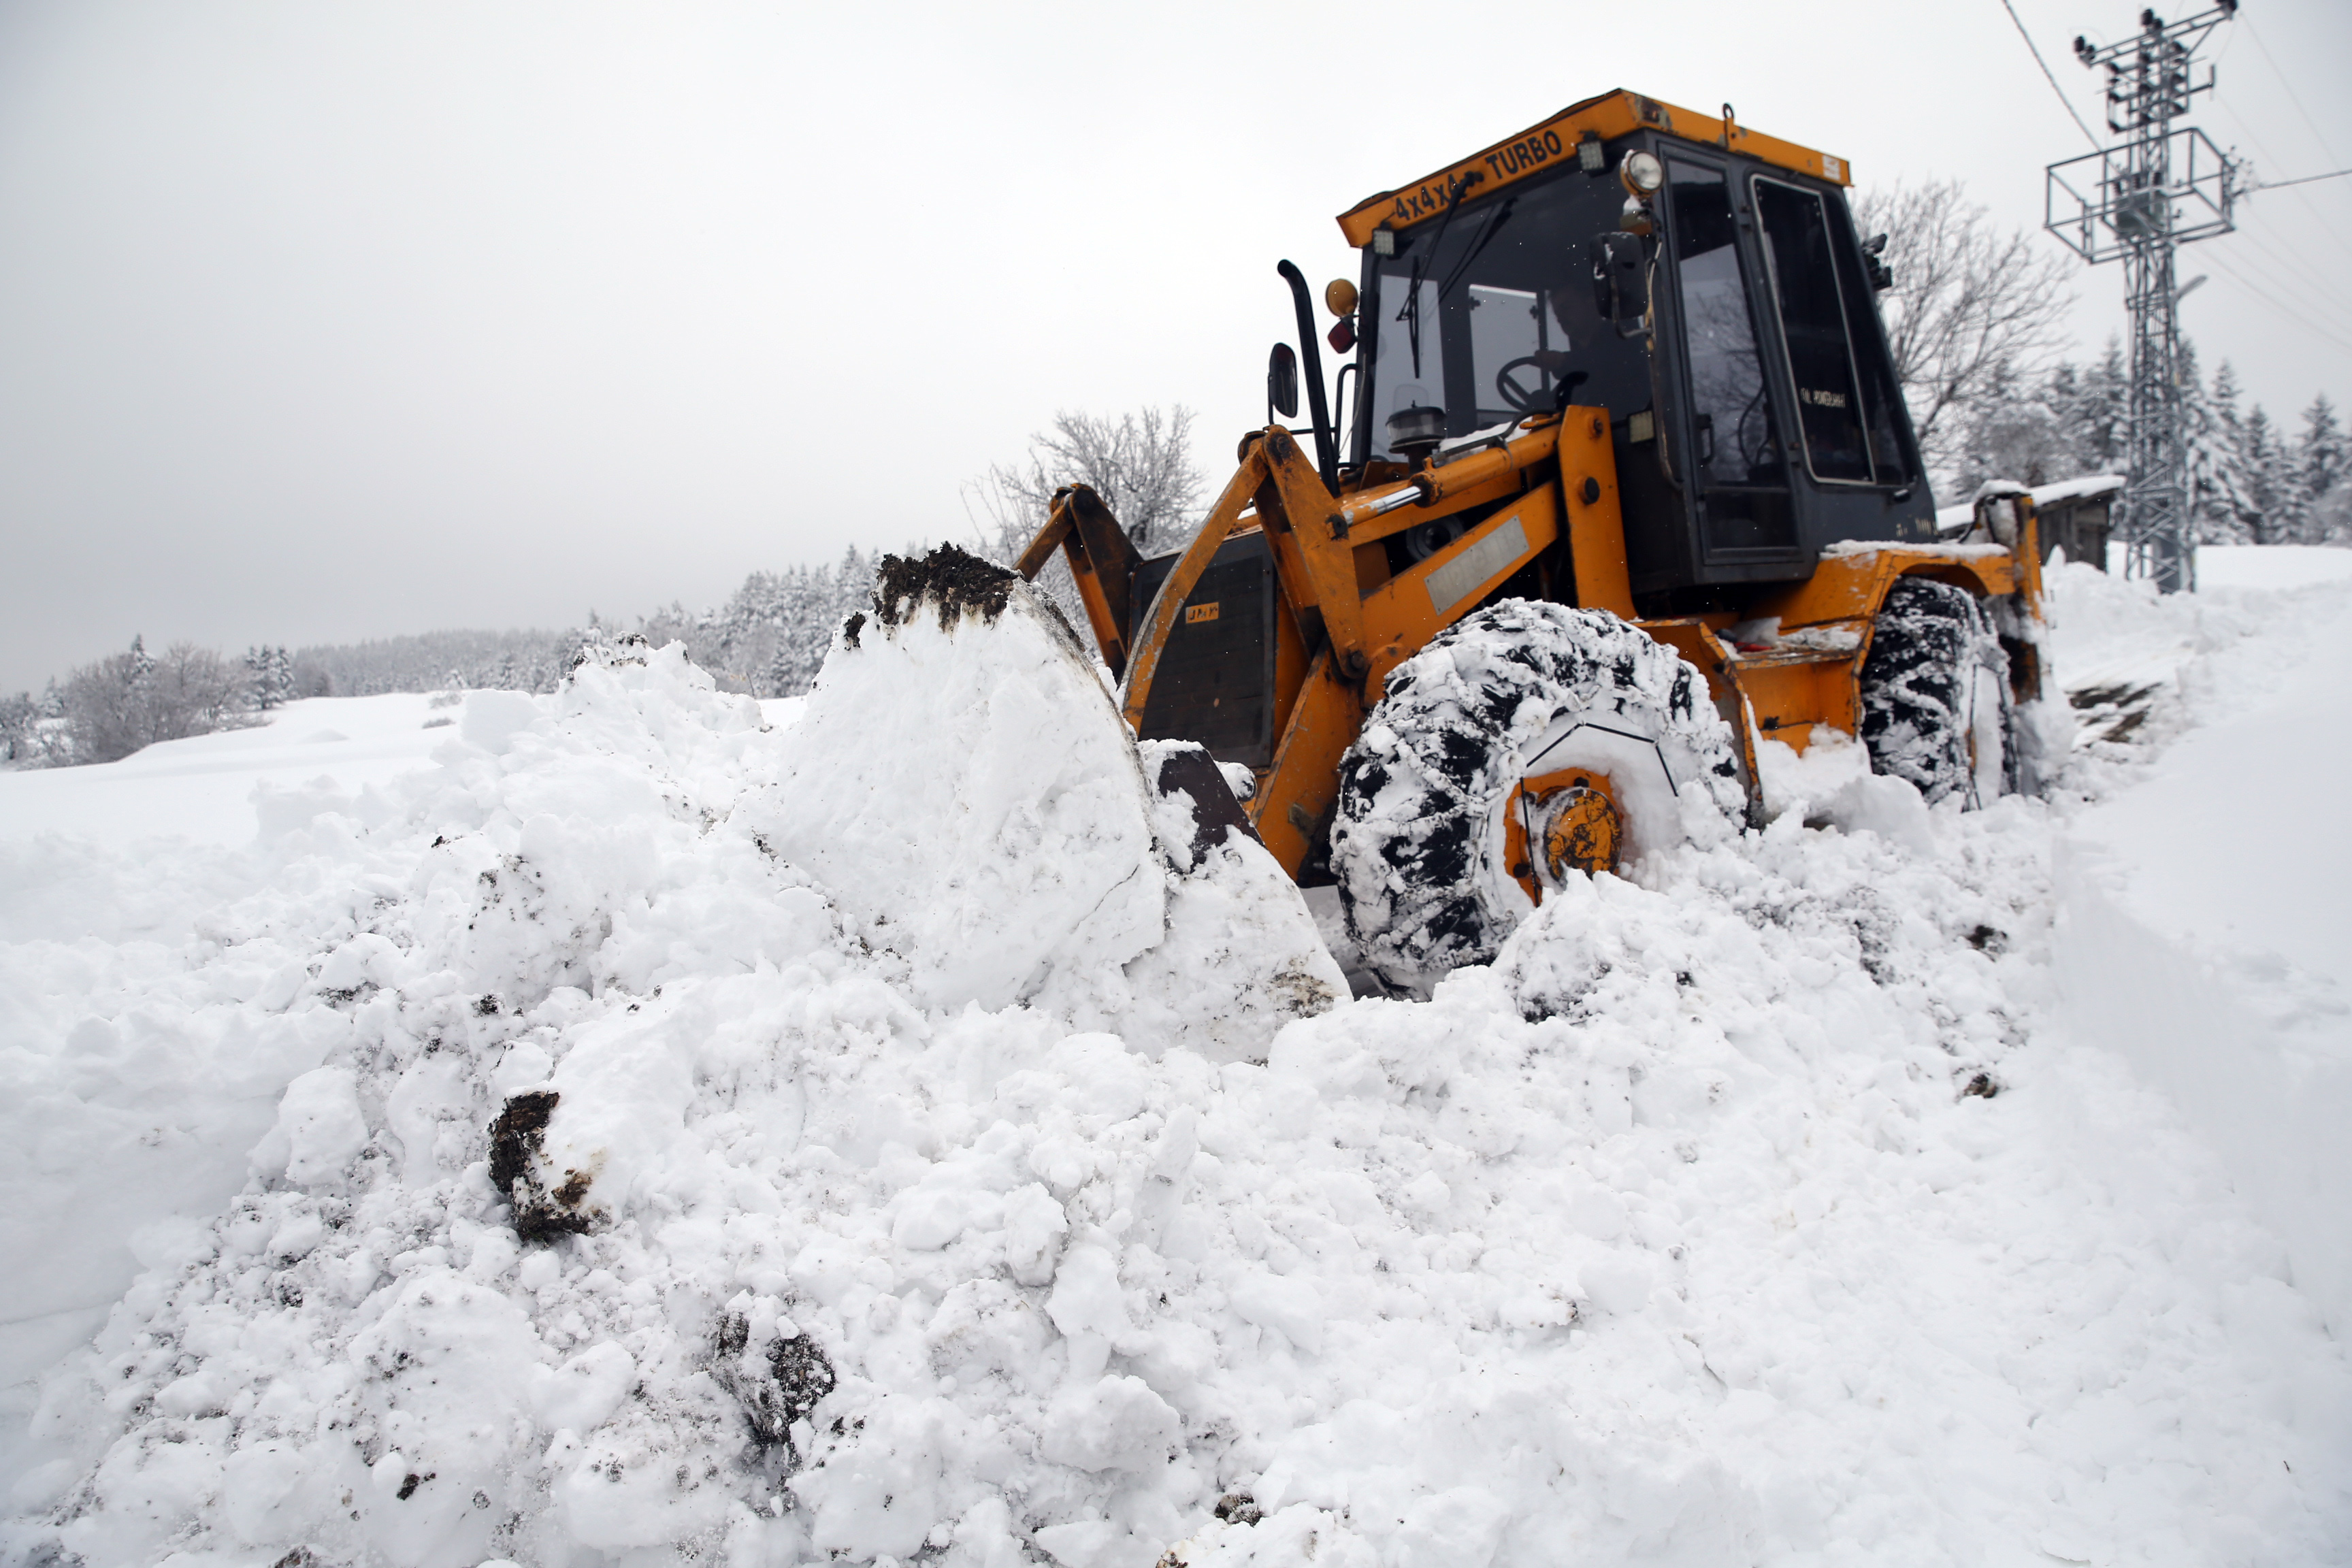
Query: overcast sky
327	321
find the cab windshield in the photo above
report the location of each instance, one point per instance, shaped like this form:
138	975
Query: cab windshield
1482	314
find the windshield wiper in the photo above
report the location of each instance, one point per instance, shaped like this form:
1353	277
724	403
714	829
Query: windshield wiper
1410	314
1494	221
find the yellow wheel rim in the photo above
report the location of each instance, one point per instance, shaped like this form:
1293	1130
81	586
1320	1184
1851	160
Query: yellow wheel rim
1560	825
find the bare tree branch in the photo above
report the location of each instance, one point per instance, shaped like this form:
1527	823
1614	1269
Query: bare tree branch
1973	305
132	700
1141	464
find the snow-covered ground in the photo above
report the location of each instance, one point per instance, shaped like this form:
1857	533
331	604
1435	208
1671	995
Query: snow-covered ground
1962	1191
2204	905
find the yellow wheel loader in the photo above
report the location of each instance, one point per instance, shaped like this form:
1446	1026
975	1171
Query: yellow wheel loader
1615	493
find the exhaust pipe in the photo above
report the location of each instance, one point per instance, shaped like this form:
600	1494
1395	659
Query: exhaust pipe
1326	445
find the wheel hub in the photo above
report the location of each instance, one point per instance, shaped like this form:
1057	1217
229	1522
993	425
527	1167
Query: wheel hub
1563	823
1584	833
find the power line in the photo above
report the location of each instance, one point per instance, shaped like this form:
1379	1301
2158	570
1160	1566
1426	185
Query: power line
2291	94
2263	149
2279	263
2288	312
2036	52
2293	97
2281	185
2289	253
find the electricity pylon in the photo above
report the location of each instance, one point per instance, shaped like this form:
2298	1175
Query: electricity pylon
2159	188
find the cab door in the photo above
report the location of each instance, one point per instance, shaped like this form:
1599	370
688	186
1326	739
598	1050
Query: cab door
1850	430
1732	459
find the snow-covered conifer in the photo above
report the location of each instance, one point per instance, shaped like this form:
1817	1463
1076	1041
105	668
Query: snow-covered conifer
2320	459
2269	478
2216	477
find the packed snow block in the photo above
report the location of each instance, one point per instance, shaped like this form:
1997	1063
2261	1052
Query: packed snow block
1117	1424
318	1132
963	786
1242	956
493	717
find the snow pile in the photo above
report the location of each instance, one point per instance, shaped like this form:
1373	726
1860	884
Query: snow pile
633	1196
985	818
963	785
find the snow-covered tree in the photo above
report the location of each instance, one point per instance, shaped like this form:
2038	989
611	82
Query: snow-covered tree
2209	432
2019	431
2320	459
1141	464
18	714
2066	424
269	676
2097	410
133	699
2267	489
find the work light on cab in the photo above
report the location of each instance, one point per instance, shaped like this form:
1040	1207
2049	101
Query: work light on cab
1641	173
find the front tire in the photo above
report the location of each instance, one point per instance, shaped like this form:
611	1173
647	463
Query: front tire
1518	691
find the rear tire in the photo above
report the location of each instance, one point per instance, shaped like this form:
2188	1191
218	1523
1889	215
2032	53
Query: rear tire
1935	694
1516	690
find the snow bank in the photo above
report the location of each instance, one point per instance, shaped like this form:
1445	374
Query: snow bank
2209	950
1751	1212
2274	567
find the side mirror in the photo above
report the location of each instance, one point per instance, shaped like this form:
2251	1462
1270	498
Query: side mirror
1282	380
1619	280
1873	264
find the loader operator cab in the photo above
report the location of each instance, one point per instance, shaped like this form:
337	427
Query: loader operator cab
1719	306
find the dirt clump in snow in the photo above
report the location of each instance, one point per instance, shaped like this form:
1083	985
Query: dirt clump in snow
777	1384
954	580
517	1140
1189	770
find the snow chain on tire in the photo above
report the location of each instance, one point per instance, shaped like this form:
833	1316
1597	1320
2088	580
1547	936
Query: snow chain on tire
1935	669
1417	842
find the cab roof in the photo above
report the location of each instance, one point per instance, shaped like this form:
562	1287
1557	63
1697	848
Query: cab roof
1608	117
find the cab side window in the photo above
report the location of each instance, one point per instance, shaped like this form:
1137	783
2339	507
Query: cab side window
1846	412
1732	437
1813	331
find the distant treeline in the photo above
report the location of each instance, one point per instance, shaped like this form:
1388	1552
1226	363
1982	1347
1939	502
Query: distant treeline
113	707
768	639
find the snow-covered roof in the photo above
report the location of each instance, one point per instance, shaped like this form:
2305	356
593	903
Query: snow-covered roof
1950	551
1953	517
2073	489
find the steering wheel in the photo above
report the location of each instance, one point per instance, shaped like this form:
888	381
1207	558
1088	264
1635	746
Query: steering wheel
1513	395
